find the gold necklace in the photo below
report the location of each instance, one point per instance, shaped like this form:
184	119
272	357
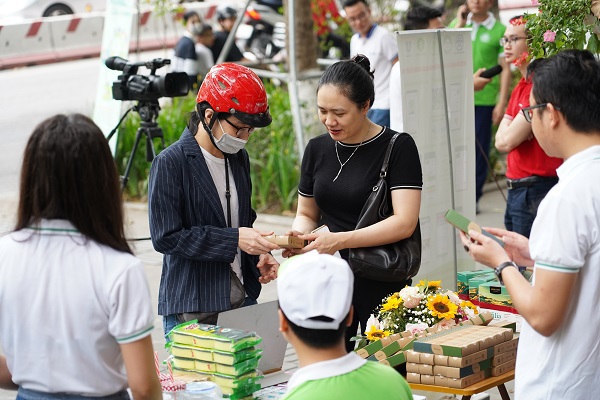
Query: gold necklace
346	162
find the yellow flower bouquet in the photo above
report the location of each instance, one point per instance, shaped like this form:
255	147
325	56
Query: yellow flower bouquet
416	308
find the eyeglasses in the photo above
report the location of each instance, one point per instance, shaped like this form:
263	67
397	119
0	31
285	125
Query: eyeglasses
528	111
512	40
359	17
243	131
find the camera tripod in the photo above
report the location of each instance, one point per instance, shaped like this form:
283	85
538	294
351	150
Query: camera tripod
148	111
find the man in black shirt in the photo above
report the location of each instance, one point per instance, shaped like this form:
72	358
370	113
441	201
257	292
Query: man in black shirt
226	16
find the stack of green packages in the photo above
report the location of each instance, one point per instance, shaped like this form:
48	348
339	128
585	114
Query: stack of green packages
225	356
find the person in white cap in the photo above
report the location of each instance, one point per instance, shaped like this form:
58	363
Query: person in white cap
315	307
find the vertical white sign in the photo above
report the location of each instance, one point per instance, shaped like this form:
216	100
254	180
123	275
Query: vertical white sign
438	111
115	42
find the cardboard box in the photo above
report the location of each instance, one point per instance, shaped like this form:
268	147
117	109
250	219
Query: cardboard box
377	345
394	360
504	358
462	281
453	372
287	242
413	377
475	281
462	382
427	379
412	356
461	362
504	368
495	294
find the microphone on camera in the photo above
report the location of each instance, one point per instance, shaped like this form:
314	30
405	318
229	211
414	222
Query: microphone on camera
116	63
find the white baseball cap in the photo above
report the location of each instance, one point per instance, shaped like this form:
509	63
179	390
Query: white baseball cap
315	285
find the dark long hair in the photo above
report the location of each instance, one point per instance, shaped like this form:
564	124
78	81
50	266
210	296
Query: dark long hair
68	173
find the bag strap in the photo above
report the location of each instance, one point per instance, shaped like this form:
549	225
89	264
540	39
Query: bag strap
386	159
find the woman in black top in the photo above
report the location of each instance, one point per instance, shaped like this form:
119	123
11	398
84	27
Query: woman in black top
340	168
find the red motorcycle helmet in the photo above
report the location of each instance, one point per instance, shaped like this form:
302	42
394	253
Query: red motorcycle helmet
236	89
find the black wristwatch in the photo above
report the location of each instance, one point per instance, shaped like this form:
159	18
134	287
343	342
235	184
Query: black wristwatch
499	268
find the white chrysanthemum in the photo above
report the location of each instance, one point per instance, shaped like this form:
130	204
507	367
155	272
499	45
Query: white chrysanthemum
372	321
453	297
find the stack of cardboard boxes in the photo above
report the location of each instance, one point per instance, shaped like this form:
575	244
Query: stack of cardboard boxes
483	289
462	356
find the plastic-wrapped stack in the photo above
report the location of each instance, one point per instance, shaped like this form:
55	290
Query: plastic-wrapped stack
227	357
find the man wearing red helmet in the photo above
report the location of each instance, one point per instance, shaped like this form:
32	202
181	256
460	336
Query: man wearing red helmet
199	204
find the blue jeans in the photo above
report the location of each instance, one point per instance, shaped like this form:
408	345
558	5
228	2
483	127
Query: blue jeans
170	321
27	394
522	205
379	116
483	137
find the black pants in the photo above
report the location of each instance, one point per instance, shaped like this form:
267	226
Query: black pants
368	296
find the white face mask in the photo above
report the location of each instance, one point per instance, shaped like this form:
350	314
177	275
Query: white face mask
229	144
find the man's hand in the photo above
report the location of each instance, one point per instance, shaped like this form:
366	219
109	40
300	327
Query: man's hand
516	246
252	241
479	82
267	265
461	16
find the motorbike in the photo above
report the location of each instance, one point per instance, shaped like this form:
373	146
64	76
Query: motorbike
265	22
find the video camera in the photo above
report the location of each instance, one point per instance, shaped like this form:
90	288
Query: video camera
131	86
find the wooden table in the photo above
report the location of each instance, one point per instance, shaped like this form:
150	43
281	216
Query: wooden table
494	381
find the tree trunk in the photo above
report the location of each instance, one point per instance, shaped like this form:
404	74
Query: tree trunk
305	40
304	90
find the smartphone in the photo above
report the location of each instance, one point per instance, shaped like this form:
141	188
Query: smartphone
465	225
491	72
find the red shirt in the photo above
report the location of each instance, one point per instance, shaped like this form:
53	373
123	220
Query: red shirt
528	158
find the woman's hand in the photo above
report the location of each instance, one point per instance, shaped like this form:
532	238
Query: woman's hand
324	242
252	241
267	265
287	253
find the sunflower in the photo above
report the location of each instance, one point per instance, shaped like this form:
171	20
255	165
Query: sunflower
392	303
376	334
429	284
441	307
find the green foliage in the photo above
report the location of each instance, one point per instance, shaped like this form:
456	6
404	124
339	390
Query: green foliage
274	159
563	24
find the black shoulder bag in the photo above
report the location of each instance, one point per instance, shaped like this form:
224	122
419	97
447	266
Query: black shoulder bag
393	262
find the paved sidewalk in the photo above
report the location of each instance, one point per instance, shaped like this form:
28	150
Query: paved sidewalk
492	210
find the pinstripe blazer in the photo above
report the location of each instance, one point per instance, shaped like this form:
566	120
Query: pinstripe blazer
187	225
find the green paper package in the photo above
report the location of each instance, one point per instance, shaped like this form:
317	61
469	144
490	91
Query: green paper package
213	337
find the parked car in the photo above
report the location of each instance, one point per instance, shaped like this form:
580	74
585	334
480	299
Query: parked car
26	9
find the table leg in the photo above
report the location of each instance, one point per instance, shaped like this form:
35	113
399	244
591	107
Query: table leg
466	397
503	392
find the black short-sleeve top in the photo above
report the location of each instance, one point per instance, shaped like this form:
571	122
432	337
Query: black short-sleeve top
340	202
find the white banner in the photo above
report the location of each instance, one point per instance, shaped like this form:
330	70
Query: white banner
441	120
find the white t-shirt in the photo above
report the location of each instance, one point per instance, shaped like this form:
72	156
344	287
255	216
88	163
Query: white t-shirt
66	303
396	120
566	238
381	49
216	167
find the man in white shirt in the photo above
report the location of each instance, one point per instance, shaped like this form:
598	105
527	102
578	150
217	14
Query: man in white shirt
379	45
557	356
